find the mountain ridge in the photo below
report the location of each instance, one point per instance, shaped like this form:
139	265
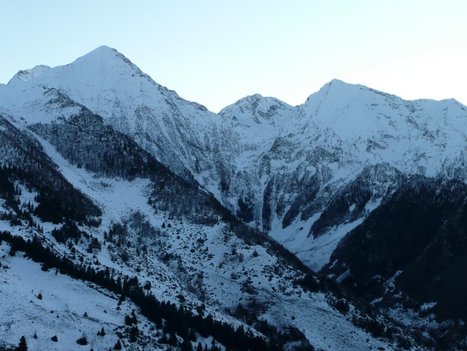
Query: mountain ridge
232	186
341	129
107	53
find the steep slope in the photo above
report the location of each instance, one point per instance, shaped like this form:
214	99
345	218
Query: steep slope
420	137
23	161
178	243
326	145
52	311
275	166
111	86
411	252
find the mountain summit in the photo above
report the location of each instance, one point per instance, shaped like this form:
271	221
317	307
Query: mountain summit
28	74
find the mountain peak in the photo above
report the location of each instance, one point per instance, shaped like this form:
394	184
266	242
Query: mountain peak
105	48
103	70
336	82
255	106
28	74
339	87
256	101
106	57
337	92
102	52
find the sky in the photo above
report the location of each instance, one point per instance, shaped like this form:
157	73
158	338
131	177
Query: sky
216	52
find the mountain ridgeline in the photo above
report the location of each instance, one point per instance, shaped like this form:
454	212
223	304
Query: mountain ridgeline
336	224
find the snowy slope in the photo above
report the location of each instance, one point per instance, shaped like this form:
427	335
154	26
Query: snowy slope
202	265
67	308
111	86
420	136
269	163
203	255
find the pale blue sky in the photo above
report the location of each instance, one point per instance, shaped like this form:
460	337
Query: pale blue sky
215	52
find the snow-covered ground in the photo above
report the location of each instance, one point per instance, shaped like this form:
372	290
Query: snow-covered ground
39	305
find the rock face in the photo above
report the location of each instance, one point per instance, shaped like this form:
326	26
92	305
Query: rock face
332	180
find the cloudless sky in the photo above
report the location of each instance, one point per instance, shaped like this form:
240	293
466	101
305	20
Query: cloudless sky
215	52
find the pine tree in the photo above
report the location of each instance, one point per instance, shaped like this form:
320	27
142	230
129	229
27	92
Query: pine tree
82	341
127	320
118	345
22	346
134	332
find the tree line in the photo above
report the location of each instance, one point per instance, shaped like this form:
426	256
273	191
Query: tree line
173	319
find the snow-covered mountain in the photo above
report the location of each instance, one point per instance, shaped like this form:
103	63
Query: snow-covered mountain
148	160
275	166
84	200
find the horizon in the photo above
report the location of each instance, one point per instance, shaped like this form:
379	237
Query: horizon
216	55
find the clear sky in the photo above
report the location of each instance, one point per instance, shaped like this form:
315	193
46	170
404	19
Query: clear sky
217	51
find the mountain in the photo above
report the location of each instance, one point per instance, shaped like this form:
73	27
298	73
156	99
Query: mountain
275	166
111	172
127	99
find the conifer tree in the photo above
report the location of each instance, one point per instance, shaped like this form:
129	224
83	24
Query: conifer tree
82	341
22	346
118	345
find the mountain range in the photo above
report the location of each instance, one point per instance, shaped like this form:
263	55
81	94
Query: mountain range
337	224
